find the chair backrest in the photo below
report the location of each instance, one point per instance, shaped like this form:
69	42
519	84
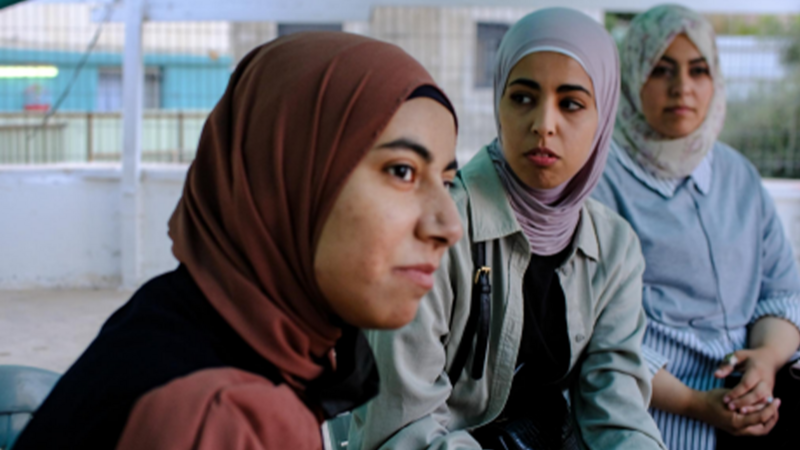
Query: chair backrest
22	390
335	432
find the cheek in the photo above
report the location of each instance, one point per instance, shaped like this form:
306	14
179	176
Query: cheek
513	127
364	239
579	142
366	232
705	94
653	96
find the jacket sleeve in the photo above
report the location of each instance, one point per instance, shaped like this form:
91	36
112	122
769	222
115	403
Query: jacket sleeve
411	410
612	394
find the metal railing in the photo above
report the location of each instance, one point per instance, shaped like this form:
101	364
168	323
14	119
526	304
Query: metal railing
167	136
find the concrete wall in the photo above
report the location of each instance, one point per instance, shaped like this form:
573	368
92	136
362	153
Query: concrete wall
60	226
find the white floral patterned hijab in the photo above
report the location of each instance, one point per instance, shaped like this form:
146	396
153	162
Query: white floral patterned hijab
649	36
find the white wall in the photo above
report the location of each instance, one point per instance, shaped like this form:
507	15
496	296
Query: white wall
60	225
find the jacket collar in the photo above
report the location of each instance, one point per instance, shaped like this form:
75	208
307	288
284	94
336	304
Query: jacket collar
490	212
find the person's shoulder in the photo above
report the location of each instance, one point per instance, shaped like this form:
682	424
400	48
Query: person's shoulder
606	221
734	165
245	403
614	234
614	166
460	196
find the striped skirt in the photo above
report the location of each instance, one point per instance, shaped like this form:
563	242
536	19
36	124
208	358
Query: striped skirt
693	362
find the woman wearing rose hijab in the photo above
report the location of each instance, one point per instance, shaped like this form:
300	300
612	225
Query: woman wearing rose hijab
317	204
534	326
720	278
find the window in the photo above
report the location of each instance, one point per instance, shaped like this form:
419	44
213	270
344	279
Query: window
290	28
109	89
488	40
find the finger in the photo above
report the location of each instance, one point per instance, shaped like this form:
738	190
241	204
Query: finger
761	429
729	363
748	382
742	421
759	394
755	408
724	370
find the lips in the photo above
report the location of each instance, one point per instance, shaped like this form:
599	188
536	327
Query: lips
679	110
542	156
420	274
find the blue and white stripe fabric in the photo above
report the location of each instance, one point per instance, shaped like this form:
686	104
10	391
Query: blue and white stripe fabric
717	261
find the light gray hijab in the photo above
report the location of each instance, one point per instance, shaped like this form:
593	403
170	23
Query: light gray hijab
549	217
649	36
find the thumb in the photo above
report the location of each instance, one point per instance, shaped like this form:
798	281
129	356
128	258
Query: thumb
723	370
729	364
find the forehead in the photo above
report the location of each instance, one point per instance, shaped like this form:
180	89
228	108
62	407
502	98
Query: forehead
551	70
682	49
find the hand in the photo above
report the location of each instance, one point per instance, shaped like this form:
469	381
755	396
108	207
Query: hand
754	391
709	408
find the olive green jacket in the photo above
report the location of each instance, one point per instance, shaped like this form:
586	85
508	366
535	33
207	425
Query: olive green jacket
420	407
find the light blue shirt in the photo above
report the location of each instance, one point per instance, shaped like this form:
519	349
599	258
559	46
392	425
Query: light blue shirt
717	257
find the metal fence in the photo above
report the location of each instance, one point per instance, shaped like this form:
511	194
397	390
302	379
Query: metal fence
187	66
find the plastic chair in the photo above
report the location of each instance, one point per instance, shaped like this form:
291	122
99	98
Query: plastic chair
22	390
335	432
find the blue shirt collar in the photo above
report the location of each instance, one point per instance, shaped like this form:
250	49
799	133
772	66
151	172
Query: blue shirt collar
701	176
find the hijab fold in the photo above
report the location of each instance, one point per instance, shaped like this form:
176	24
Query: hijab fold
648	37
549	217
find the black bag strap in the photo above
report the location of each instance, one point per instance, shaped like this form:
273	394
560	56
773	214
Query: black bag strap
479	320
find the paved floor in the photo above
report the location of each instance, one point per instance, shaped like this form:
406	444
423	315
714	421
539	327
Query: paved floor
51	328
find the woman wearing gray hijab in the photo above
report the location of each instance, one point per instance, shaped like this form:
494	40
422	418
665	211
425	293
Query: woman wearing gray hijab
532	331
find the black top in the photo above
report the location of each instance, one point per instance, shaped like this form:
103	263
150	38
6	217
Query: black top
536	412
544	351
168	329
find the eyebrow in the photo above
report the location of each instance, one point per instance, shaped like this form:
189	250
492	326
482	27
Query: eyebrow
409	144
563	88
701	59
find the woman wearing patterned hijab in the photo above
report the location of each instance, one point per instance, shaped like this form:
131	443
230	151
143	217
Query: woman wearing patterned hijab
533	329
316	205
721	288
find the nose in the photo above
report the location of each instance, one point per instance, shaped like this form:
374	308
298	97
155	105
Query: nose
440	222
680	84
544	120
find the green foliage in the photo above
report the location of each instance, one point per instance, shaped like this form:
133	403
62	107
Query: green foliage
765	127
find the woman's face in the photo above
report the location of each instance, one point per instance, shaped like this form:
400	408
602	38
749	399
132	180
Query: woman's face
393	220
548	119
677	94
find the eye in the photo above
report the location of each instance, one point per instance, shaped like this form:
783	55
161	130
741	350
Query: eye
448	184
404	172
571	105
521	98
661	71
699	71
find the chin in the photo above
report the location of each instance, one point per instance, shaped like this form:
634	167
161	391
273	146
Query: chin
398	317
679	130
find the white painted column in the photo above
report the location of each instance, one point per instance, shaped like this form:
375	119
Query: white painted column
132	95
